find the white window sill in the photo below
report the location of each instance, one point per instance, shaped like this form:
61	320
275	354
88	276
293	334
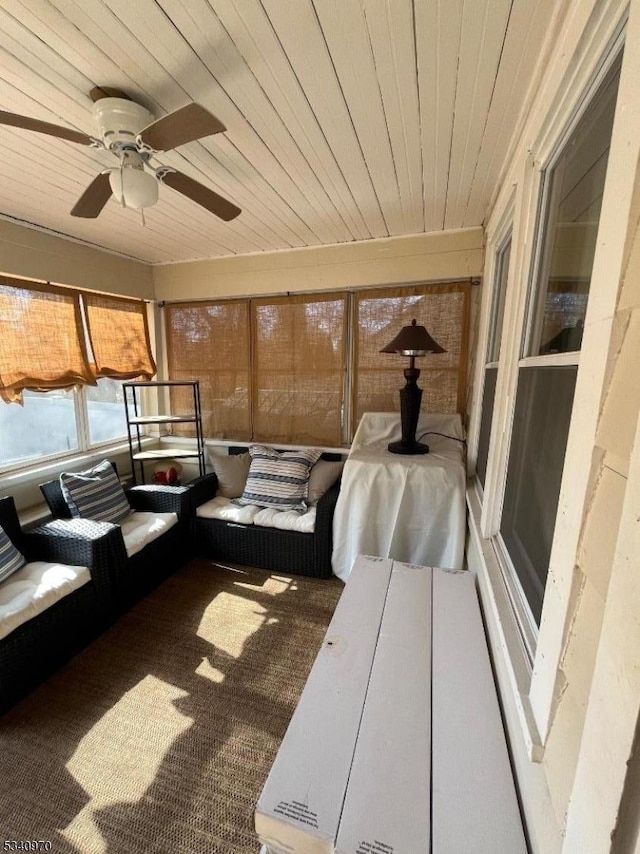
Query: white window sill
29	476
499	612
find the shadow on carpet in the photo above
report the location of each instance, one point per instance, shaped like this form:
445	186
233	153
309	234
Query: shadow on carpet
159	736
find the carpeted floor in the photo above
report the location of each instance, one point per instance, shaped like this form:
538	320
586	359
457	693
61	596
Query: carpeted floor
158	737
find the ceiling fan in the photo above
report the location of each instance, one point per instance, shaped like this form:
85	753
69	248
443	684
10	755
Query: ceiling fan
129	132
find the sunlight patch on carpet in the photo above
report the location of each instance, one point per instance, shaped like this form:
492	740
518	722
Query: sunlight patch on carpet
128	748
229	621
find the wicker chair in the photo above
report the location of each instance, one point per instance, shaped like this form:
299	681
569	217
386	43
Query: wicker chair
267	548
135	576
34	649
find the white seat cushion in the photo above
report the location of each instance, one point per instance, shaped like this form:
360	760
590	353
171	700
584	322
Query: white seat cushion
287	520
34	588
141	528
222	508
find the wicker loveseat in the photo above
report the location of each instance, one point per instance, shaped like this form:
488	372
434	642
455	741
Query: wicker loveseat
56	603
270	548
134	575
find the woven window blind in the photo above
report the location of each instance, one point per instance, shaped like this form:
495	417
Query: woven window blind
42	345
298	368
380	314
210	342
119	337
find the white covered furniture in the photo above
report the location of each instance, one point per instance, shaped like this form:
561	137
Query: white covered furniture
397	744
409	508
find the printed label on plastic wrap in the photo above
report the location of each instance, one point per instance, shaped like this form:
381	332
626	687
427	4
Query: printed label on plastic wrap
374	847
298	812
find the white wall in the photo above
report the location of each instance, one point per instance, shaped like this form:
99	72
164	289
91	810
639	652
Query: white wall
576	713
29	253
395	260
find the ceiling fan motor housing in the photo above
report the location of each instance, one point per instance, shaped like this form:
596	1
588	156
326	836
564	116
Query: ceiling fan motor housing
120	121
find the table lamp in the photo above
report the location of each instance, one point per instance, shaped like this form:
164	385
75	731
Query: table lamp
411	341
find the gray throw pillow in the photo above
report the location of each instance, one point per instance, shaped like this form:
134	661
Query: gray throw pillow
323	475
10	558
232	472
278	479
95	494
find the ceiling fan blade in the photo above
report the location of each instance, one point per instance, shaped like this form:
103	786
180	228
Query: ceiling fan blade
27	123
94	198
184	125
200	194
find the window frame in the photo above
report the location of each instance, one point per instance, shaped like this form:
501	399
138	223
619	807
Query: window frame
537	281
497	296
534	683
82	433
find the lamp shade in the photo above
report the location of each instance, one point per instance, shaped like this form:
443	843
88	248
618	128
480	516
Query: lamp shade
139	188
413	340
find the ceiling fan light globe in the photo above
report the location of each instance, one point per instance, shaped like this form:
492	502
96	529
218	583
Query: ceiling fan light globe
140	189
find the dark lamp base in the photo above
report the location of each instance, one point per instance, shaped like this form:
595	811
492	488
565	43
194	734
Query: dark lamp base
403	447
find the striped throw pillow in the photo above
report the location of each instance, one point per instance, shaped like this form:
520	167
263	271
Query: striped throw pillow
95	494
10	558
279	480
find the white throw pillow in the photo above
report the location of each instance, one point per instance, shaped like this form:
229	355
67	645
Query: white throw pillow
232	472
323	475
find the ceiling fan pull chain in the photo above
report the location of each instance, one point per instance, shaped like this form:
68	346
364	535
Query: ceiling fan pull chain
144	222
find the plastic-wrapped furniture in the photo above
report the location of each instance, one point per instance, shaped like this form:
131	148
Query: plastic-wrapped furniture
51	607
287	551
148	546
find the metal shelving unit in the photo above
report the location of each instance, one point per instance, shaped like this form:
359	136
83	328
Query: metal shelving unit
136	421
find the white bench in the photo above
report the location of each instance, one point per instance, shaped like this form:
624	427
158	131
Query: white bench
397	744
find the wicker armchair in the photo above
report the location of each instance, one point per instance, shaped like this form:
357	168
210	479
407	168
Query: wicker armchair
34	649
266	548
133	577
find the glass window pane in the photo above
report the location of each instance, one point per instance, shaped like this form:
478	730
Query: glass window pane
573	192
536	460
488	399
105	411
499	299
43	426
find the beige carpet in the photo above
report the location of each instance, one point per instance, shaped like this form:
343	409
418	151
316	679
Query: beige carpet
158	737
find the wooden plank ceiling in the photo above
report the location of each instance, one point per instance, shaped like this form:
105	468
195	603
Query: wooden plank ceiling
346	119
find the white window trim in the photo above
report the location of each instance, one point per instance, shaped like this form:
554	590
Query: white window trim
599	44
495	239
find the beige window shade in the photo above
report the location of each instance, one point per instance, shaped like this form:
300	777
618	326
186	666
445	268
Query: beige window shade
380	314
298	345
42	344
119	337
210	342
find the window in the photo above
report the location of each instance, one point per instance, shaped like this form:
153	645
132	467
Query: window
572	192
49	424
503	257
302	369
105	411
209	342
380	315
45	425
63	356
298	347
